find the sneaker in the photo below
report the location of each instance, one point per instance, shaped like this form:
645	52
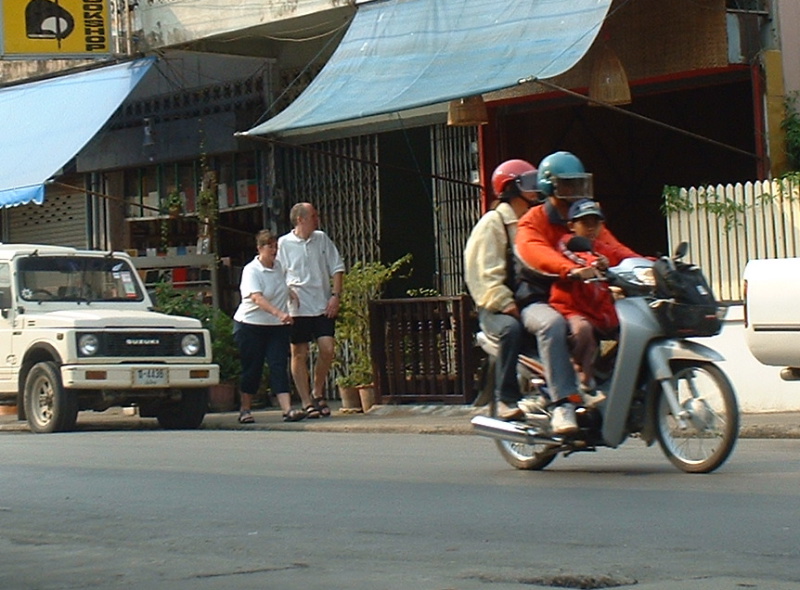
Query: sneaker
563	420
592	399
507	412
534	404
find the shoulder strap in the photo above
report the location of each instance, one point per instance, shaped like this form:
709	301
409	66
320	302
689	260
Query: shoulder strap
510	266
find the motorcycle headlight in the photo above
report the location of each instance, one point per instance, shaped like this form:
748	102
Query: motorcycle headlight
644	275
191	344
88	344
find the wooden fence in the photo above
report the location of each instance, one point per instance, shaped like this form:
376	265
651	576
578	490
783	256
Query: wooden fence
727	225
422	349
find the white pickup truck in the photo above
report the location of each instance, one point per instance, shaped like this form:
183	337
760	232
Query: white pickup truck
772	313
78	332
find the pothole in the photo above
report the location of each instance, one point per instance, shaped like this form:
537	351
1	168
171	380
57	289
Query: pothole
577	581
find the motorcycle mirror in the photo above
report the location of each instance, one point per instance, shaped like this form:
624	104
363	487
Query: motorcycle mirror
681	250
579	244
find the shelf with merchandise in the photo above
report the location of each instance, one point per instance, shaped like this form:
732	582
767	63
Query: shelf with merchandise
190	271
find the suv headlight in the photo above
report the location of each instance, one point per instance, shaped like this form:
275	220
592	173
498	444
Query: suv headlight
88	344
191	344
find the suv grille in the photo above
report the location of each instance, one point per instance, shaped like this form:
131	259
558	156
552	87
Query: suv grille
142	344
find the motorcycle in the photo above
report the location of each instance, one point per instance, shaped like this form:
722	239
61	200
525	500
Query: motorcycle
652	381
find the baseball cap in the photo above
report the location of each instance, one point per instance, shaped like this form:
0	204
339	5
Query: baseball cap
583	208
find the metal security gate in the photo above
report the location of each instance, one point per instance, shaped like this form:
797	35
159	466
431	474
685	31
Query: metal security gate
60	221
457	206
337	178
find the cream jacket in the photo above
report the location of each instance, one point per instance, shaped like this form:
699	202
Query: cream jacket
485	258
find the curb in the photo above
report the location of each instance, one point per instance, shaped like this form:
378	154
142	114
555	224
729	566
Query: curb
386	419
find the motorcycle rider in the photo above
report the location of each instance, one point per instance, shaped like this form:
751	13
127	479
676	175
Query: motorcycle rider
489	274
562	180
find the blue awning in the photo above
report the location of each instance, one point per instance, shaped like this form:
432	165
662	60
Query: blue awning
402	54
45	123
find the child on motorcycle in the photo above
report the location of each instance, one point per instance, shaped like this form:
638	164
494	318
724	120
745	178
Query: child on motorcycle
587	306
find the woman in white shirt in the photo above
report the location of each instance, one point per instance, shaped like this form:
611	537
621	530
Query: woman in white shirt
262	329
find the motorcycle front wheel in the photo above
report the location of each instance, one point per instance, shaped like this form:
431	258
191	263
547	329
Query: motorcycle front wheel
704	439
519	455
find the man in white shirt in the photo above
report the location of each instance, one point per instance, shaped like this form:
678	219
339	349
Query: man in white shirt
314	272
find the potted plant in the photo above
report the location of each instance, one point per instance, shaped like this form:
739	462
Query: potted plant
224	351
174	204
207	211
363	283
171	208
351	381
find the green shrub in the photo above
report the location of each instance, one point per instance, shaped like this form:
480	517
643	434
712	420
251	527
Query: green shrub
219	324
363	283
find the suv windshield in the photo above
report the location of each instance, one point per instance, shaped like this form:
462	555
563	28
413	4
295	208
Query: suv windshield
77	278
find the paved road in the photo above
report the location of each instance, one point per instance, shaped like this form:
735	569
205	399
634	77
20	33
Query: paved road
297	510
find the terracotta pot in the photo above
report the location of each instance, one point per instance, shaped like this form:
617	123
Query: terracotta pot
367	397
350	398
222	397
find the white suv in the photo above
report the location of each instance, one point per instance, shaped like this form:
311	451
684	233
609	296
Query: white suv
78	332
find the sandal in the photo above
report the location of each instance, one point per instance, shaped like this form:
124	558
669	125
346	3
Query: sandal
245	417
294	415
322	407
312	413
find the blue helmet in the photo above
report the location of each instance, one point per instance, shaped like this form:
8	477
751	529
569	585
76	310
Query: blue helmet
562	175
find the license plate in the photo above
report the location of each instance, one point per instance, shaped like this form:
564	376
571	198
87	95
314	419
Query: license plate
150	377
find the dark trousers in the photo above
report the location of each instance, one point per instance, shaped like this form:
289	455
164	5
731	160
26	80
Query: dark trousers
257	344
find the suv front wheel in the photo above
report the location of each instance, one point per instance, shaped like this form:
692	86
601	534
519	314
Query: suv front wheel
186	414
48	406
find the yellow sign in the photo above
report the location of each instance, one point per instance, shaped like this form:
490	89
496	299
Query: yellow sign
55	28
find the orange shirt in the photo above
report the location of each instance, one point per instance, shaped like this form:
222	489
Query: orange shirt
536	245
538	234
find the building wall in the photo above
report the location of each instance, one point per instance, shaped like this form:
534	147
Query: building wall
173	22
788	15
20	70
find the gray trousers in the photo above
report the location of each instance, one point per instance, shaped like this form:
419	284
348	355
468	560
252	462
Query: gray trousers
550	328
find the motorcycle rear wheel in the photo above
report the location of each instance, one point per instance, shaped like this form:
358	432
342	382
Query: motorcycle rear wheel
519	455
713	426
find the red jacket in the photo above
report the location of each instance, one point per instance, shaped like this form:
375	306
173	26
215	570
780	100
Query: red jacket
590	300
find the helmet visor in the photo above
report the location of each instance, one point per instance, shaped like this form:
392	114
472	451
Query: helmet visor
572	187
528	185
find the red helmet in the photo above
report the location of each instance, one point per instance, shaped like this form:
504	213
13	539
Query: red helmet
520	171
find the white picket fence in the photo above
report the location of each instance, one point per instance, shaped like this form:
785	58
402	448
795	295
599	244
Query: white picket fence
727	225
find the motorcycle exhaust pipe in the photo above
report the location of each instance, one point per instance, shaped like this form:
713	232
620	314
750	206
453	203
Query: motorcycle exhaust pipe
508	431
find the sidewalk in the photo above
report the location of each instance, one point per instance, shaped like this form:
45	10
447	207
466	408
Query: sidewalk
410	419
